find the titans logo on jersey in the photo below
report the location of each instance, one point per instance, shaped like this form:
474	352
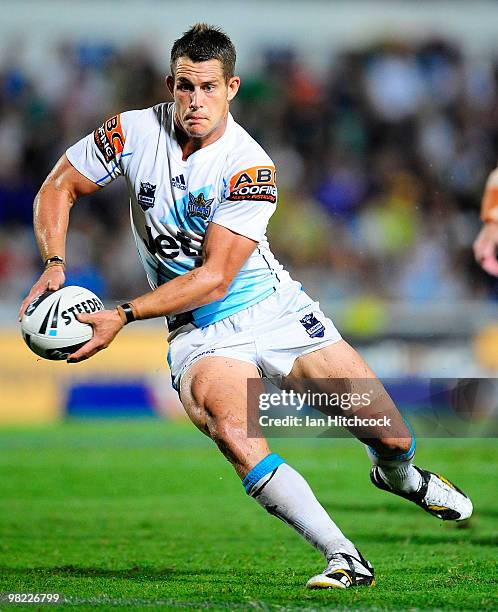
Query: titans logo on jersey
199	206
230	182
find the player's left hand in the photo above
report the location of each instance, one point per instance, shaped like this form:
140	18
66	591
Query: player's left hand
106	324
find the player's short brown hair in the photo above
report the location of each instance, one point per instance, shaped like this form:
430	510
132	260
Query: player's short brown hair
202	43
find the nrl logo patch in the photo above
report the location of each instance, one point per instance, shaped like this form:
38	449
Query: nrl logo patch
312	325
199	206
146	198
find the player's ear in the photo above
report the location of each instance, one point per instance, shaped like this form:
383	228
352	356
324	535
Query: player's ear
233	87
170	83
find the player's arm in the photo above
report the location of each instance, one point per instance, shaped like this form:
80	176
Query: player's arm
486	243
51	210
225	252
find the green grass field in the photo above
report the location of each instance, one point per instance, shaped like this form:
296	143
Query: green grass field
150	515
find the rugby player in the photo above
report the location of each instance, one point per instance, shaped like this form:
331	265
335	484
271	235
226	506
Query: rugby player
486	243
201	194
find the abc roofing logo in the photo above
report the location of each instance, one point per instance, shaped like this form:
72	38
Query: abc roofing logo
256	183
146	198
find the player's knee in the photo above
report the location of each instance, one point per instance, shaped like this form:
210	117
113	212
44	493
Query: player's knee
194	387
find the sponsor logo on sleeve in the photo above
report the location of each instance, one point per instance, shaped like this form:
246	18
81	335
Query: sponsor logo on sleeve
256	183
109	138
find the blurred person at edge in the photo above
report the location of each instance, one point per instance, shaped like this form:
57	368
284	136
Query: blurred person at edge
486	243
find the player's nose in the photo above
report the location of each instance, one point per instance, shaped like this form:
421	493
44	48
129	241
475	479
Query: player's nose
195	99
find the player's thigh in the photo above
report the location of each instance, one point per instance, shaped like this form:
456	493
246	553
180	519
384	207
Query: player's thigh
214	392
338	368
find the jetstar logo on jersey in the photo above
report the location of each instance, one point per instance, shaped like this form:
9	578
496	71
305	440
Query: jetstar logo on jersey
146	198
256	183
109	138
169	247
199	206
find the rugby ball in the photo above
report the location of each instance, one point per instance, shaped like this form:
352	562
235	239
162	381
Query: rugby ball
49	325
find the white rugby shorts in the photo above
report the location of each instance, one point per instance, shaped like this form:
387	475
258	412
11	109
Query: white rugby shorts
271	335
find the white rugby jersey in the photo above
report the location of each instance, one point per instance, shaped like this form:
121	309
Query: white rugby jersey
230	182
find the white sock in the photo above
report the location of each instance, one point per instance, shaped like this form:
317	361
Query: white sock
399	474
285	493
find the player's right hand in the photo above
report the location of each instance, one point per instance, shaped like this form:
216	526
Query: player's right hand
52	279
486	248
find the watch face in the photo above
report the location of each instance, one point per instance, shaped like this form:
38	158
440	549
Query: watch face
55	259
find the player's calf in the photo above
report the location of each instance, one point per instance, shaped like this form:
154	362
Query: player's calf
214	394
284	493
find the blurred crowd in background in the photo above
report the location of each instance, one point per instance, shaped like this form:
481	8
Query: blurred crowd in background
381	161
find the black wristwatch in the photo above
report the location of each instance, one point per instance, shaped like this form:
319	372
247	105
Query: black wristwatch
55	260
128	312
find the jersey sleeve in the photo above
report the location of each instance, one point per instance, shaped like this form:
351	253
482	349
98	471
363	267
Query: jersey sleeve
249	198
98	155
